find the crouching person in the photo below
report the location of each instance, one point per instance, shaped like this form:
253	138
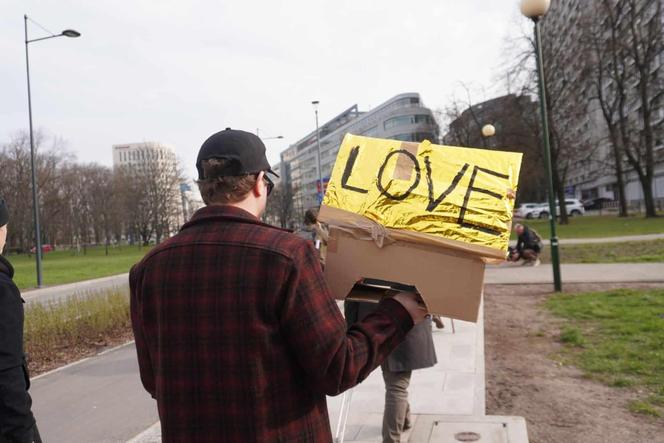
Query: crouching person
528	247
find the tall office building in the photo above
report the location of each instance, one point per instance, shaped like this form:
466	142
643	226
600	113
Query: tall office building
403	117
138	154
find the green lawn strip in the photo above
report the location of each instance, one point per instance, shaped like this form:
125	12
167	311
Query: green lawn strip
60	267
617	337
651	251
596	226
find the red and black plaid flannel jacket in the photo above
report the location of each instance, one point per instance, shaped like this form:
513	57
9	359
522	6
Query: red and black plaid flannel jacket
238	338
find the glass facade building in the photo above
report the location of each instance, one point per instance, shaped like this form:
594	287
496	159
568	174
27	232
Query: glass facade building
403	117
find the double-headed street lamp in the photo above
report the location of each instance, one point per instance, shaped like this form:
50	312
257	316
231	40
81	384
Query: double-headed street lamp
35	201
278	137
320	172
535	10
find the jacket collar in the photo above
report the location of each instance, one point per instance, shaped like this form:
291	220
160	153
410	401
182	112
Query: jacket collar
221	213
6	267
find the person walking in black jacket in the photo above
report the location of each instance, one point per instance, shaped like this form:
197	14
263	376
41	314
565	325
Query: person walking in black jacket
17	424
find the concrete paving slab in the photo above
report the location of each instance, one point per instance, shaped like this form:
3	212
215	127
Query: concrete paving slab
455	386
453	429
99	399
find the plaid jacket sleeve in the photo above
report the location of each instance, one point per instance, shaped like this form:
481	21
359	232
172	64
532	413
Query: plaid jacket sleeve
138	324
334	358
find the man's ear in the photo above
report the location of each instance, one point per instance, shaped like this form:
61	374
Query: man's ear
259	187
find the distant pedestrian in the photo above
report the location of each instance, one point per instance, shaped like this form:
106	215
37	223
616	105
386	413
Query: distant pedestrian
528	247
237	334
416	352
17	424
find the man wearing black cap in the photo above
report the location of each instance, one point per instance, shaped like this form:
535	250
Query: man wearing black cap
238	338
17	424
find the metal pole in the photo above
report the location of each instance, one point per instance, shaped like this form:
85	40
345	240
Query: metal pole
320	172
555	258
35	201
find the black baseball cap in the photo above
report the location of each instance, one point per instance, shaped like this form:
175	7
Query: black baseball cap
4	213
245	150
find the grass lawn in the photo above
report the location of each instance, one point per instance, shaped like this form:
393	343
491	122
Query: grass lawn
61	267
623	252
594	226
617	337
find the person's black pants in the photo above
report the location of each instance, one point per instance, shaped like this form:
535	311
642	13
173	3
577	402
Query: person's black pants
17	424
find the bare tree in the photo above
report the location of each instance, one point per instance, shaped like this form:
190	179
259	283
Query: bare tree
644	50
626	41
571	147
16	187
610	78
150	197
102	203
281	206
163	179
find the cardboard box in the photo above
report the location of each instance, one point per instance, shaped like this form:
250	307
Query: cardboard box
419	215
449	281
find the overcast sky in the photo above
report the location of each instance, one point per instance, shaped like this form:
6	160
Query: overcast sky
177	71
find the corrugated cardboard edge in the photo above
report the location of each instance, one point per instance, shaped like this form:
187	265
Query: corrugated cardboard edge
449	281
365	229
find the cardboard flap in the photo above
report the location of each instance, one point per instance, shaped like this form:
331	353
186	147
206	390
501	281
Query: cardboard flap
450	282
363	228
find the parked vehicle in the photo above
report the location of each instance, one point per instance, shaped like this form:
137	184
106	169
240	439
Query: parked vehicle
45	248
573	205
527	210
597	203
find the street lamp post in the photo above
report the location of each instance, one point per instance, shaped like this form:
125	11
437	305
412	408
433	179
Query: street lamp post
535	10
35	201
320	172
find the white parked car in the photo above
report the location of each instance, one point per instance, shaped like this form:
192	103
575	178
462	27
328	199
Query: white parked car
573	205
528	210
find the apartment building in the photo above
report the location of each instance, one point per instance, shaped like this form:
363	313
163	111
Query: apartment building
589	164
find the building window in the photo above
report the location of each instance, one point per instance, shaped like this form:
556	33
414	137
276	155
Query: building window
407	120
408	101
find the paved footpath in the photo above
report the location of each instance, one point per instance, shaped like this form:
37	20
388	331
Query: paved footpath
99	399
619	239
57	293
508	273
